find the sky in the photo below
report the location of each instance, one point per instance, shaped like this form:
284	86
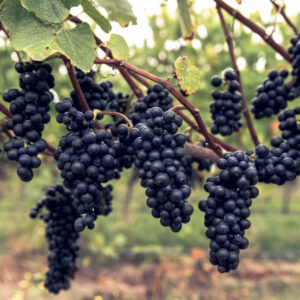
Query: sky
143	9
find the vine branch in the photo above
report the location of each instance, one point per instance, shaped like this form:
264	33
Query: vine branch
279	10
175	108
5	111
193	110
4	29
285	17
255	28
230	45
200	152
141	79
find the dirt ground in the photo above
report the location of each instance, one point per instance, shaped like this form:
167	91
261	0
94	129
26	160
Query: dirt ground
187	277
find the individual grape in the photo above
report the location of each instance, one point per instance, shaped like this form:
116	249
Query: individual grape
227	208
61	237
159	151
227	105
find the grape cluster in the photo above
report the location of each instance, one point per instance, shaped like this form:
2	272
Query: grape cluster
29	108
289	124
25	155
294	50
227	208
281	163
87	158
61	237
159	151
272	96
99	96
227	105
156	96
277	165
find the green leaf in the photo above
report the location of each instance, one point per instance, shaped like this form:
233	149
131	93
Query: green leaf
118	47
70	3
188	75
40	40
185	21
27	32
53	11
92	12
78	44
119	11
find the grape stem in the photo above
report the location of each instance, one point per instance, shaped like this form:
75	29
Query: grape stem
286	18
4	29
255	28
5	130
83	103
114	113
119	64
5	111
230	45
278	11
175	108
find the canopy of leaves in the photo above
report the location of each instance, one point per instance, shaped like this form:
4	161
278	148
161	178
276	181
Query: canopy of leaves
40	40
119	11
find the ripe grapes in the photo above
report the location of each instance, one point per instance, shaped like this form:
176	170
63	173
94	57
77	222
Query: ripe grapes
61	237
159	151
227	105
29	108
227	208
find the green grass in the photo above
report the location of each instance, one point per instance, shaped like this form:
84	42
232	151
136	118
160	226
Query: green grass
270	230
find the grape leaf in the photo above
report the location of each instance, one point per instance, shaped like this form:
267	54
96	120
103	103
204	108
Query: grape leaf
53	11
70	3
185	20
40	40
78	44
119	11
118	47
27	32
188	75
92	12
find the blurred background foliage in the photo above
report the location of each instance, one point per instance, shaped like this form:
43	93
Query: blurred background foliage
133	233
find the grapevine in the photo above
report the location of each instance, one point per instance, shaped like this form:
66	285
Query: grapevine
155	129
